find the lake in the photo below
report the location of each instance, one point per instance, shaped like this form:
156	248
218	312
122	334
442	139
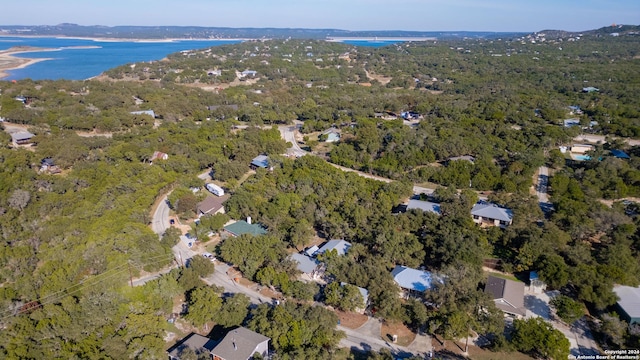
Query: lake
73	63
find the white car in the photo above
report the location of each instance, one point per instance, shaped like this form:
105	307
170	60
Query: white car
209	256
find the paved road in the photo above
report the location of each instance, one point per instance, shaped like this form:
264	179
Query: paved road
288	133
542	184
160	221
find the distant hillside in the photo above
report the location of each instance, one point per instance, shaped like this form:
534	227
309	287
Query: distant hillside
169	32
607	30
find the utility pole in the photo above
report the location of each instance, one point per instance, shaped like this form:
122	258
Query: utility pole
130	276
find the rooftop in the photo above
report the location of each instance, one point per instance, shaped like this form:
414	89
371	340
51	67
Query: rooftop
340	246
491	211
260	161
193	341
305	264
507	294
424	206
242	227
21	135
238	344
212	204
629	300
412	279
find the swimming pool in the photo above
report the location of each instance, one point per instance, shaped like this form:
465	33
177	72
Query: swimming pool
582	157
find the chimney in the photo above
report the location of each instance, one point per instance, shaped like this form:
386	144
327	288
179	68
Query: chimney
249	219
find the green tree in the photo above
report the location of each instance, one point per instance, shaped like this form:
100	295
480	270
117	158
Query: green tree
567	309
204	303
538	337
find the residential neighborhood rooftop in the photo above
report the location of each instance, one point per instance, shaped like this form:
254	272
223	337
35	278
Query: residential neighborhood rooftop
194	342
260	161
305	264
412	279
424	206
508	295
238	344
242	227
491	211
211	204
629	300
340	246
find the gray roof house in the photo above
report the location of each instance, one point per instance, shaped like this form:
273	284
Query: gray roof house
508	295
197	343
310	268
241	344
424	206
242	227
21	137
238	344
340	246
261	161
629	304
489	214
412	280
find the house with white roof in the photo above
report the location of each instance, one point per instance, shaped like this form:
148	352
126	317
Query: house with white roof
340	246
412	281
488	214
427	206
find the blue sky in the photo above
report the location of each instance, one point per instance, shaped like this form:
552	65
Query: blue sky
420	15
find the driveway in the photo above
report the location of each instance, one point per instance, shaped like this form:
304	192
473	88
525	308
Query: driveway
579	335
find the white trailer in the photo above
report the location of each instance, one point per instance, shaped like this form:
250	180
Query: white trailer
215	189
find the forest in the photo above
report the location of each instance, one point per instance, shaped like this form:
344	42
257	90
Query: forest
70	240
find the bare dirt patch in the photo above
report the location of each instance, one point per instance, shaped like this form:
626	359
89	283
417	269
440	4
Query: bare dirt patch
455	350
350	319
405	336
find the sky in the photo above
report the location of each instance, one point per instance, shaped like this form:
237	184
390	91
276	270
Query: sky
416	15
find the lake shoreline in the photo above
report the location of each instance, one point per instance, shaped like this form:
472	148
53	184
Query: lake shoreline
107	39
8	60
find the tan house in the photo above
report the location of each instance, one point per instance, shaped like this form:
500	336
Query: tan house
211	205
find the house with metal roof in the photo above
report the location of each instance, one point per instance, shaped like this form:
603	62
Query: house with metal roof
428	206
628	305
260	161
242	227
144	112
241	344
508	295
488	214
340	246
211	205
412	281
311	269
21	137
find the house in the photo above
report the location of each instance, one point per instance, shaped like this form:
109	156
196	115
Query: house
242	227
211	205
340	246
508	295
310	268
574	109
144	112
241	344
365	297
332	136
48	165
197	343
412	281
590	89
428	206
581	148
620	154
312	251
21	137
489	214
157	155
468	158
571	122
260	161
250	73
628	305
